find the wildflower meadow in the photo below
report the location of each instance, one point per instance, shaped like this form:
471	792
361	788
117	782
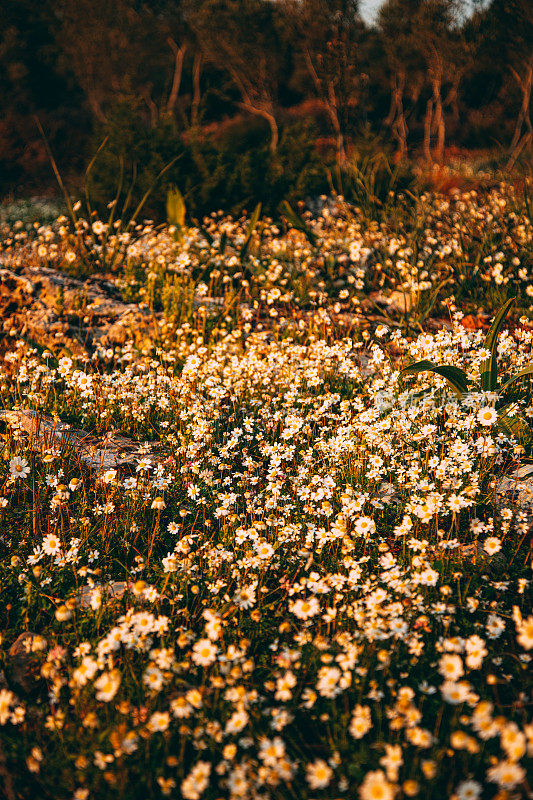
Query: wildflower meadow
313	578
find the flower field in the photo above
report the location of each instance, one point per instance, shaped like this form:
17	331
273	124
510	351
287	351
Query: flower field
315	579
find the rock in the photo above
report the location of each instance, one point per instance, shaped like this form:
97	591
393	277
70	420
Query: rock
385	495
517	489
399	302
25	658
97	454
402	302
522	472
114	590
63	313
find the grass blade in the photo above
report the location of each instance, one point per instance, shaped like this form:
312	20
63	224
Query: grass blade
489	367
523	372
254	219
298	223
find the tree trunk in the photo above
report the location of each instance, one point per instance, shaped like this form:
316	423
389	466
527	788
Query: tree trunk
330	101
439	125
96	108
396	118
391	116
452	98
427	130
274	131
521	141
267	115
179	55
152	108
401	134
196	94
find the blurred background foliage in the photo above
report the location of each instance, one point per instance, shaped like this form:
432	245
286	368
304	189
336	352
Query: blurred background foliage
259	101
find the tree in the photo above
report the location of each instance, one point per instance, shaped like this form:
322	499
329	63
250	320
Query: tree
436	39
241	37
512	35
396	27
329	35
125	51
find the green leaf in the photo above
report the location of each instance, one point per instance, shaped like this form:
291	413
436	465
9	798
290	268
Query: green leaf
456	377
514	425
175	208
254	219
489	367
298	223
523	372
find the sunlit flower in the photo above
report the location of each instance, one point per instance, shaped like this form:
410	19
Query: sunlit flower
204	652
376	787
318	774
51	544
107	685
487	416
19	467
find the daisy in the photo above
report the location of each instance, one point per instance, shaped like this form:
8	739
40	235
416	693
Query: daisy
304	609
196	781
364	526
525	633
487	416
51	544
492	545
455	693
107	685
245	597
265	551
85	672
19	467
506	774
158	722
204	653
376	787
361	722
181	708
6	699
392	760
495	626
153	678
451	667
513	741
318	774
237	722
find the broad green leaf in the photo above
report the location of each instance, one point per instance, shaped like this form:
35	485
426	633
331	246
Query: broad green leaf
522	374
175	208
456	377
489	367
514	425
298	223
254	219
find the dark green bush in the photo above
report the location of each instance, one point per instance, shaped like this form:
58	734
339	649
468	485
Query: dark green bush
230	169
